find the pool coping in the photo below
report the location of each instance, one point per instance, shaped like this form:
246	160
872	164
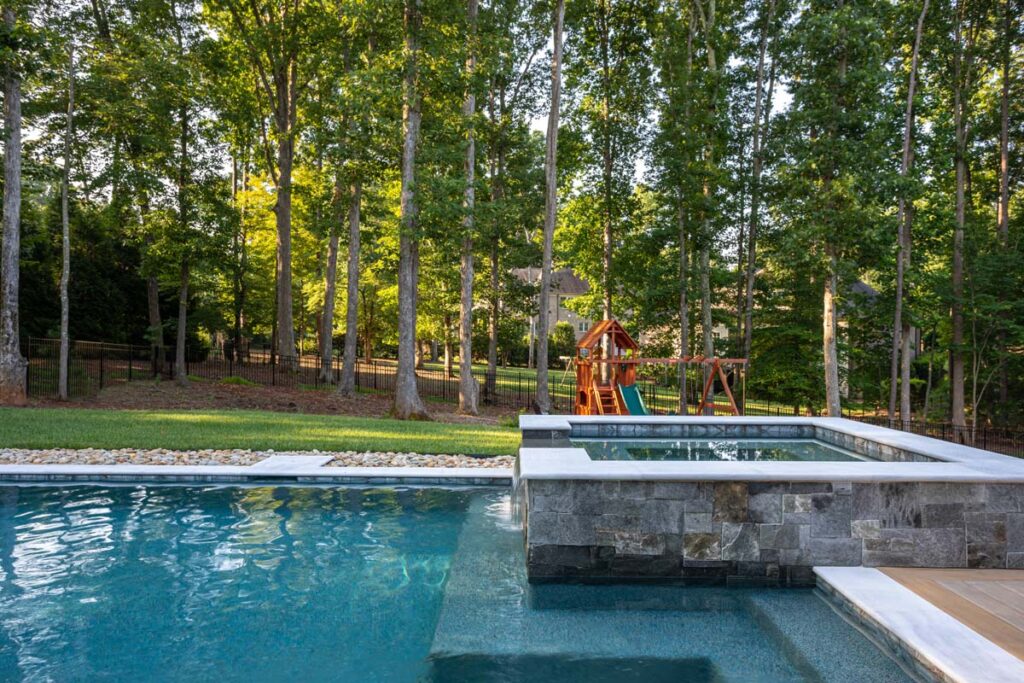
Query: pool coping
936	643
956	463
271	473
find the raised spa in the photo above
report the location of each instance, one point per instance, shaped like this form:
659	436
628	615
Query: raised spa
744	500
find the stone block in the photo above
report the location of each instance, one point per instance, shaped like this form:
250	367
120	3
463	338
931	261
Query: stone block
703	501
986	527
672	490
740	542
942	515
577	530
559	555
765	508
865	528
986	555
542	528
1005	497
637	543
836	552
810	487
790	557
757	488
1015	532
784	536
842	488
730	502
645	567
831	516
701	547
939	548
697	522
796	508
1015	560
662	516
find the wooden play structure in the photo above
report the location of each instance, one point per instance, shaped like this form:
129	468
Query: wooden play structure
606	362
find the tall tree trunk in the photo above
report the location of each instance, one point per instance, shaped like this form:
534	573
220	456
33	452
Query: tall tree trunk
762	109
830	347
469	389
707	19
283	215
330	294
550	209
607	165
961	77
347	386
65	273
240	266
180	366
490	380
684	309
706	321
407	399
13	367
1003	210
903	222
156	324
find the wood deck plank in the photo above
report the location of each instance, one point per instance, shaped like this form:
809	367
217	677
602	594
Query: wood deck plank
989	601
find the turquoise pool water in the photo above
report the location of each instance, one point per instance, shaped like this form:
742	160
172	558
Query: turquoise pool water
354	584
715	449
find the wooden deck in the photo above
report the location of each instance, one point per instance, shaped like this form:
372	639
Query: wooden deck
989	601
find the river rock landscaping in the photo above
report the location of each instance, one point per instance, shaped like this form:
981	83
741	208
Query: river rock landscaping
160	456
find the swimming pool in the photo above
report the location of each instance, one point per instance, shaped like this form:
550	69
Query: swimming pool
367	584
717	449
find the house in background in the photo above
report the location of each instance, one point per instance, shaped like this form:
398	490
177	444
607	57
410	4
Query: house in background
565	286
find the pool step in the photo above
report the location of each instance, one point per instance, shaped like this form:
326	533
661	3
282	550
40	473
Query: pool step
490	616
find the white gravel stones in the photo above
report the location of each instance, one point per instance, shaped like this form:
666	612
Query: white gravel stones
162	456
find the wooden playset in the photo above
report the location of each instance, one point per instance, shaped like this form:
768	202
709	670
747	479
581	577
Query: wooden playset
606	362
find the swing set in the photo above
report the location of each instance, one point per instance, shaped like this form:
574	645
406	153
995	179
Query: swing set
607	359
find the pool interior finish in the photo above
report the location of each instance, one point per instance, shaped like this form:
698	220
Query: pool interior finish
368	584
716	449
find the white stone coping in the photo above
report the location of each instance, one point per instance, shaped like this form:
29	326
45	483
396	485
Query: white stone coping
947	646
269	469
956	463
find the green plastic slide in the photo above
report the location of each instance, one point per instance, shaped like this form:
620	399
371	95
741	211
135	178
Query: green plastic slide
631	397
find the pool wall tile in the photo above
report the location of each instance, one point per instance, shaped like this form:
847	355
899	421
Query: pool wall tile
773	532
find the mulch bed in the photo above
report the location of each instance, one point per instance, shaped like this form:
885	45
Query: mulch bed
213	395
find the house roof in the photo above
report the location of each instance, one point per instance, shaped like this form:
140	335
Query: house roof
563	280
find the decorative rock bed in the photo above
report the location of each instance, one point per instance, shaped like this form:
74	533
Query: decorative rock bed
161	456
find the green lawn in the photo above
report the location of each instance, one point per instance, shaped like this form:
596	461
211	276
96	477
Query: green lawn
257	430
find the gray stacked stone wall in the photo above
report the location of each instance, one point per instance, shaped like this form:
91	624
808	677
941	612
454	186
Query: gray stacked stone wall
764	532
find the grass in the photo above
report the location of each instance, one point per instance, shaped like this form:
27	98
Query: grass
243	429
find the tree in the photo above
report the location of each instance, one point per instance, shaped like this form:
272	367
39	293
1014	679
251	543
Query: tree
550	207
13	366
274	37
965	32
65	273
903	218
407	400
762	112
469	388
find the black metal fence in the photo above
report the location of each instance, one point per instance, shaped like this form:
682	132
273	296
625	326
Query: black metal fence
91	366
95	365
999	439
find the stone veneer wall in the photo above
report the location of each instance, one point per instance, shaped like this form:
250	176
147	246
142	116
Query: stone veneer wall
764	532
